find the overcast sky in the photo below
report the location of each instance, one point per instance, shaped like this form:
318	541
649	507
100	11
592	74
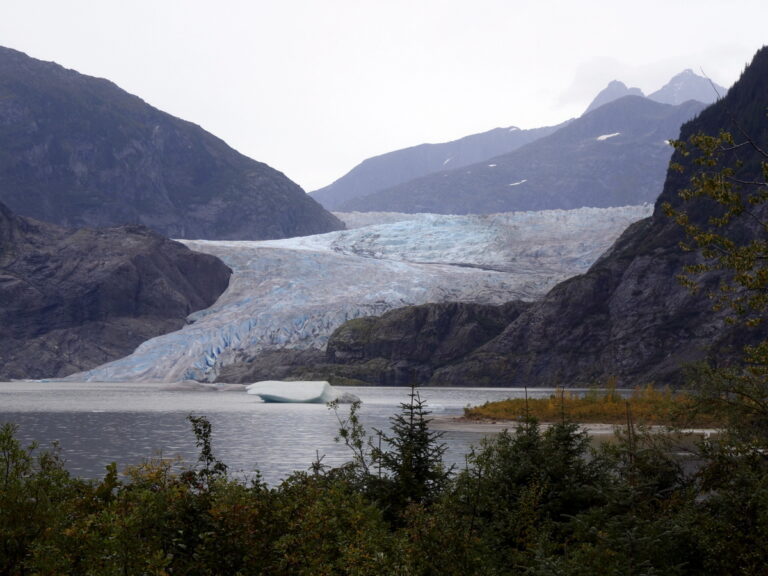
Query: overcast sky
313	87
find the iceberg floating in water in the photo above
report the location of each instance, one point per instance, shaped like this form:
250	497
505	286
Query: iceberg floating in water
307	392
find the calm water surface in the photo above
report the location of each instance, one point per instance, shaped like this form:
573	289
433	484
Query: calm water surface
96	424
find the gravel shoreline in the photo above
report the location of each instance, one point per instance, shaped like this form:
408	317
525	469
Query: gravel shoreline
460	424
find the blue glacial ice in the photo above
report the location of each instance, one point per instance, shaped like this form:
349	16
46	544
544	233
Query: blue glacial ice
293	293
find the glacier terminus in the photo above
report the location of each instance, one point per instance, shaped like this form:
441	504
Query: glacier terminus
294	293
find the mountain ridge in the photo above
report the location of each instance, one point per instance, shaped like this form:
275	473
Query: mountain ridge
398	166
684	86
79	151
613	156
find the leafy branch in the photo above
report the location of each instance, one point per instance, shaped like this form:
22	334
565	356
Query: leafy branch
721	238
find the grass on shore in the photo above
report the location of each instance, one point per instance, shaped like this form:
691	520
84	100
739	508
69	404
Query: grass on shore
644	406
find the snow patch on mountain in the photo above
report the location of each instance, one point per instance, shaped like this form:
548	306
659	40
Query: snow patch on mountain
606	136
293	293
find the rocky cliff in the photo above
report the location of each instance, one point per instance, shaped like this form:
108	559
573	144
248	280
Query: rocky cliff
628	317
79	151
73	299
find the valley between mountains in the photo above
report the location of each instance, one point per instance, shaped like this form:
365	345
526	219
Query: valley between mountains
290	295
512	257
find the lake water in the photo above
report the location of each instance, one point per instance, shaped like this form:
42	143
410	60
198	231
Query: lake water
96	424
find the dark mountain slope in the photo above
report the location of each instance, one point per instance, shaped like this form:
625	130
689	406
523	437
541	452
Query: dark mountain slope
79	151
387	170
627	317
614	156
73	299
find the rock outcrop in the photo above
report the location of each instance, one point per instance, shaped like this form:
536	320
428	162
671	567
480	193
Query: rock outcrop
79	151
73	299
409	345
400	347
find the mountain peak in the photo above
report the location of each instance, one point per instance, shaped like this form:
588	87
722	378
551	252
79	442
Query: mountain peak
687	85
616	89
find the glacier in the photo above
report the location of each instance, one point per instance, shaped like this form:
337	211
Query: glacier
293	293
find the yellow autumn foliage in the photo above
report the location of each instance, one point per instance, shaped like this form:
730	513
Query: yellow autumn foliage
645	405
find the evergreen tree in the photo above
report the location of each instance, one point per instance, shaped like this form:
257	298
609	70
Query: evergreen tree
399	468
413	456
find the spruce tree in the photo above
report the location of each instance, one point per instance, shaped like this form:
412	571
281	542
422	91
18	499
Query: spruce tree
413	455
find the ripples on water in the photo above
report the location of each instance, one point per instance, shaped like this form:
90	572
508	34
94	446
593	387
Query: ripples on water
96	424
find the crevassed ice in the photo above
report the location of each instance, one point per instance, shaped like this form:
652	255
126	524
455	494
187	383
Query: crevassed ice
293	293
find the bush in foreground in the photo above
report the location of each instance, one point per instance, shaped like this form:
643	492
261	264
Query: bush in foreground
531	501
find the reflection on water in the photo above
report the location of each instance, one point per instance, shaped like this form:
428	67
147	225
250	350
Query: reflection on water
96	424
